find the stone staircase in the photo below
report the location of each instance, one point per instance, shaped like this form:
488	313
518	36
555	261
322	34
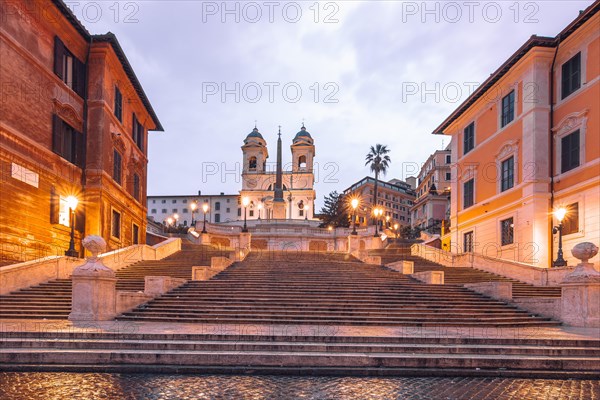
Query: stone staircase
463	275
325	289
408	354
52	300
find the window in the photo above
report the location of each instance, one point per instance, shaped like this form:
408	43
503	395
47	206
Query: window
154	211
68	68
228	200
135	234
468	242
228	210
252	164
115	226
251	213
217	206
217	217
117	166
118	109
163	201
571	76
508	108
508	174
507	231
469	138
301	213
184	201
302	162
164	211
174	210
239	212
448	158
185	211
174	201
137	133
569	152
448	176
136	187
468	195
67	142
571	220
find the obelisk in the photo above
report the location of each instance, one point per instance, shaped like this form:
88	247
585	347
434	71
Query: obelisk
278	201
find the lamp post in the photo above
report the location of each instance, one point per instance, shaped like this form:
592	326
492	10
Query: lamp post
205	210
354	203
72	203
193	206
259	206
176	218
396	231
377	212
245	202
560	215
387	221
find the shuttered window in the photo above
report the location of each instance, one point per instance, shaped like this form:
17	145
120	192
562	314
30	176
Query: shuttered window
68	67
67	142
118	109
571	76
117	166
137	133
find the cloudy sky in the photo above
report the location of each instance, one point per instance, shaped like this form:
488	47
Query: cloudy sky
358	73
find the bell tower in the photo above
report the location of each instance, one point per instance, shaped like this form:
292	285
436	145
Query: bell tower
303	152
255	153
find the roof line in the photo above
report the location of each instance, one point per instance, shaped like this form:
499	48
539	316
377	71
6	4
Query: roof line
533	41
112	39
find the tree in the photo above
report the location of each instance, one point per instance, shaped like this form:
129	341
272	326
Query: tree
333	213
379	162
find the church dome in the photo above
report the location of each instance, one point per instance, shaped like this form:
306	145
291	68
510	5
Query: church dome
302	134
255	133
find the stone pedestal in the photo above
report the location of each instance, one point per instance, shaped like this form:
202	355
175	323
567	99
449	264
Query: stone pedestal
581	290
94	286
279	209
403	266
204	238
353	243
245	240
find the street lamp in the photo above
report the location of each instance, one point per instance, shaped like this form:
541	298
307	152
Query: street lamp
377	212
176	218
259	206
205	210
72	204
560	215
387	221
245	202
396	230
169	221
193	206
354	203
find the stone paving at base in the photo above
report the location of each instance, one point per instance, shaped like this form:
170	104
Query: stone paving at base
126	327
51	386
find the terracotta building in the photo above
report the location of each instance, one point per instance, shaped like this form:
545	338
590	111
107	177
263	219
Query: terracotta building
525	144
73	122
433	193
395	197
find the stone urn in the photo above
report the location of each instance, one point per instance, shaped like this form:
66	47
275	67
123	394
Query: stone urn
94	286
585	271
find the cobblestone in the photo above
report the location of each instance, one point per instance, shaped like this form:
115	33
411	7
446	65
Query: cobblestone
50	386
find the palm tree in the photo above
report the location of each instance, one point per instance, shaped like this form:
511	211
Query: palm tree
379	162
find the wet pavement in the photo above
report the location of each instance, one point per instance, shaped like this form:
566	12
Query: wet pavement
91	386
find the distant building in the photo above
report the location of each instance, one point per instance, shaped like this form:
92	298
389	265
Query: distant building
396	197
433	193
221	208
527	143
75	121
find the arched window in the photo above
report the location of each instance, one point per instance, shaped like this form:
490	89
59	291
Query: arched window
252	163
302	162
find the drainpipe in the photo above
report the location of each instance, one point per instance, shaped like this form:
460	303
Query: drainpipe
552	147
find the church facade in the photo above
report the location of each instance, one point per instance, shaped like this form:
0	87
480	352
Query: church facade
275	191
